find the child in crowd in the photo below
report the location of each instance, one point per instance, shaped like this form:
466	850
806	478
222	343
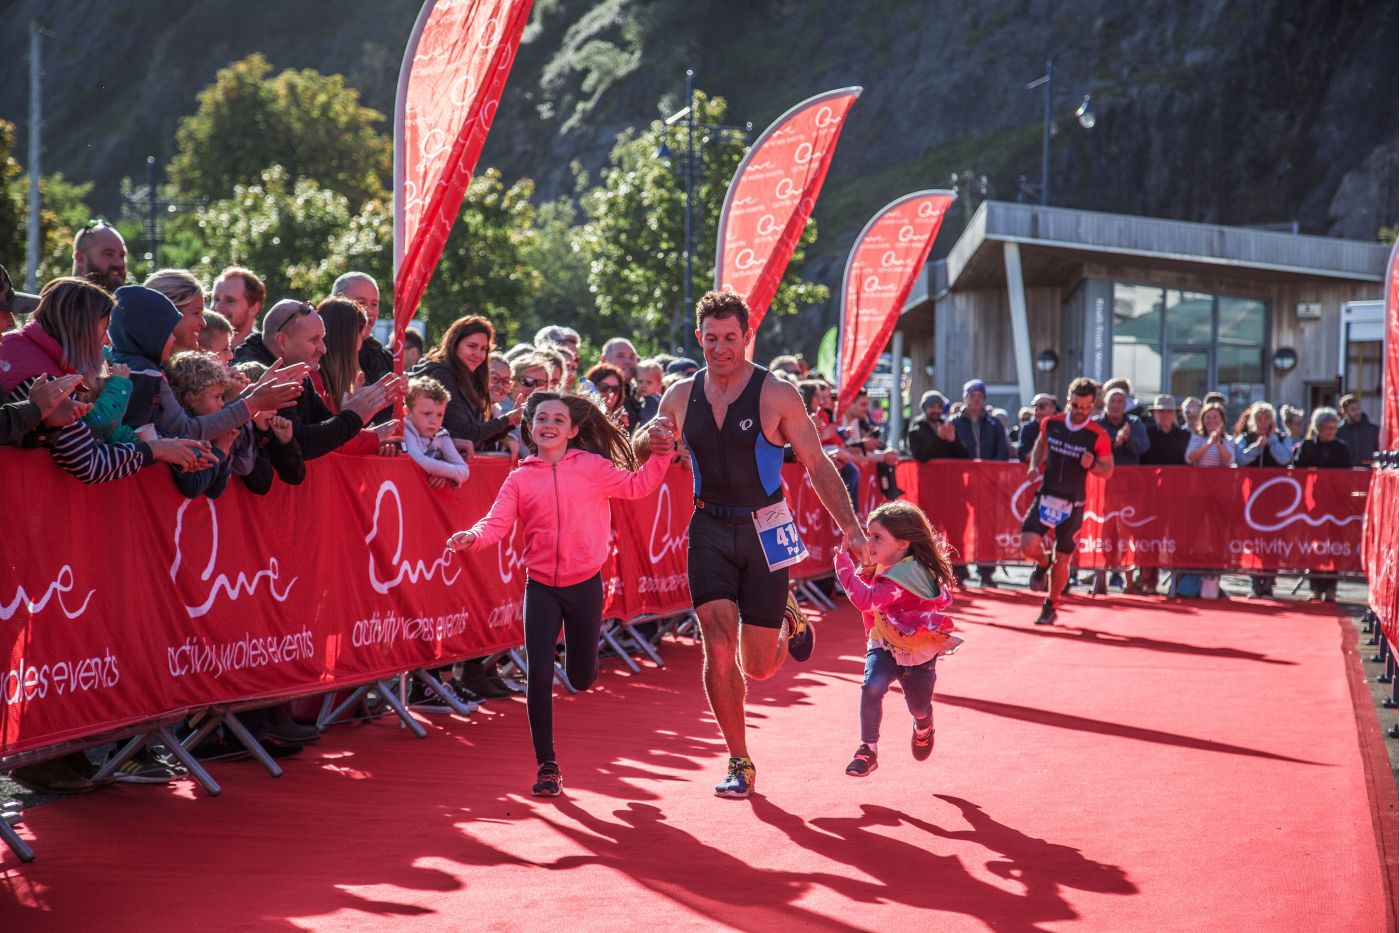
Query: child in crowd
216	336
109	399
266	447
198	380
579	460
425	440
649	376
900	598
143	338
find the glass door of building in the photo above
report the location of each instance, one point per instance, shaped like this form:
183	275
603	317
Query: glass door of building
1188	372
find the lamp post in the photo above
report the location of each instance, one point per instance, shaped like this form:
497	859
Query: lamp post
148	202
1084	114
687	115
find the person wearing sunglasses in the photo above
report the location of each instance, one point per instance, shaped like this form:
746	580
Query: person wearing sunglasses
1070	447
608	381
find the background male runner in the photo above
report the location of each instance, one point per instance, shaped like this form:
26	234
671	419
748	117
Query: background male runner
1071	445
735	419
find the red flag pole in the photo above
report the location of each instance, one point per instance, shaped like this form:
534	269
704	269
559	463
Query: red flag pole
885	262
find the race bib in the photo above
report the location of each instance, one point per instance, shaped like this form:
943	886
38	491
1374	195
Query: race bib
1054	510
777	534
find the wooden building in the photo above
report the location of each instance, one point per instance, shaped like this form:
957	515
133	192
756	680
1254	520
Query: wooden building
1031	297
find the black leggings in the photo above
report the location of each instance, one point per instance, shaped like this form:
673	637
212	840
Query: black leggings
580	609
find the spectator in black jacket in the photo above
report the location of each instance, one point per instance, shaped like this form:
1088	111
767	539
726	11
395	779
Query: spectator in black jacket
930	437
361	288
461	364
1324	449
984	438
1166	440
1358	433
1042	407
1127	432
294	331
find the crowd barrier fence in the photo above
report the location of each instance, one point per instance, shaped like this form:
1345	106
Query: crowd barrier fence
125	607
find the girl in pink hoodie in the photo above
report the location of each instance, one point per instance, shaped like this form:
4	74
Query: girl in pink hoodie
901	599
579	459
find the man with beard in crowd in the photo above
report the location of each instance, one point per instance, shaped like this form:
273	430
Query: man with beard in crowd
931	437
99	255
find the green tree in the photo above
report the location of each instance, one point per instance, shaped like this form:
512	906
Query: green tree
309	123
281	227
62	212
485	267
556	255
634	235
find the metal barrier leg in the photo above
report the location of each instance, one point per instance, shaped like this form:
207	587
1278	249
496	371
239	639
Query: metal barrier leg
16	844
1387	676
453	702
232	723
1382	651
400	710
202	730
643	644
327	719
128	752
1392	701
608	637
192	765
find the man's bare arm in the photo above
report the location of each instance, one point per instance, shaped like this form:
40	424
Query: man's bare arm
1103	466
799	431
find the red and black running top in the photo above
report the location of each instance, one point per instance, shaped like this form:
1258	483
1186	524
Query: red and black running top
1065	446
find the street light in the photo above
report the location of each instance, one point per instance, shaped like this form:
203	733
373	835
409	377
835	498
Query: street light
686	115
1084	114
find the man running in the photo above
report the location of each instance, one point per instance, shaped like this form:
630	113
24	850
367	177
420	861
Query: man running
1071	445
735	419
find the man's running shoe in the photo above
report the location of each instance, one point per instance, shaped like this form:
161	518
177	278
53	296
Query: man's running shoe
921	742
148	767
548	782
863	763
802	636
1037	583
739	780
1047	614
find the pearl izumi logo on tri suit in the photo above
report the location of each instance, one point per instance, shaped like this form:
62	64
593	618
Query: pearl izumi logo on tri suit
745	424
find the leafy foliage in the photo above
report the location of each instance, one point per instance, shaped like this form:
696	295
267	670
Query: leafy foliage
62	212
309	123
634	235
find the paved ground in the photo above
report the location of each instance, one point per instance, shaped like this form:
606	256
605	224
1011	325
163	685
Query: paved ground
1351	599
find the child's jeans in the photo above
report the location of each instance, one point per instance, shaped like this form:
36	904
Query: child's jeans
880	670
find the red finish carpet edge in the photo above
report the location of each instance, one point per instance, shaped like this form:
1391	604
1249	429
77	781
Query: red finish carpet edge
1141	766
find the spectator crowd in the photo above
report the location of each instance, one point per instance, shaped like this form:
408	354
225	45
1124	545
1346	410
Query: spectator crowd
220	386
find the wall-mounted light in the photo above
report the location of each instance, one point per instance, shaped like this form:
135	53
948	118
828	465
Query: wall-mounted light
1285	358
1047	361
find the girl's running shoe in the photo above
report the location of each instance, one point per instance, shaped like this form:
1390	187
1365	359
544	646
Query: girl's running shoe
548	782
863	763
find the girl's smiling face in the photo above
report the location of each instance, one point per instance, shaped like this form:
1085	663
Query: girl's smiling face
885	549
552	429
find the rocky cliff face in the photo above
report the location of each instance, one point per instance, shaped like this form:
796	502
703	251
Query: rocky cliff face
1208	110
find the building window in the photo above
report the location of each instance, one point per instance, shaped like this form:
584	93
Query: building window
1189	343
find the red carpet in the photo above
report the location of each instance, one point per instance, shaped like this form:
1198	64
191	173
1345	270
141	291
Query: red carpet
1142	767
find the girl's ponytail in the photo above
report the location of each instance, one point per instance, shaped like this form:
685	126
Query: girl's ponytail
597	433
907	522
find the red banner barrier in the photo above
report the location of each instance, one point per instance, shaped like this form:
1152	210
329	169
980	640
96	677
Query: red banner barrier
1187	517
1382	538
126	601
771	196
883	266
454	71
